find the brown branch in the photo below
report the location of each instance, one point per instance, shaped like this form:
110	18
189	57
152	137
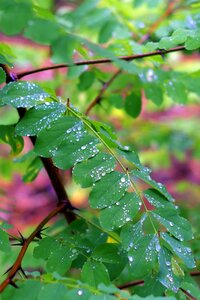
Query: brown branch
102	91
51	170
169	11
101	61
17	264
130	284
188	294
141	282
195	273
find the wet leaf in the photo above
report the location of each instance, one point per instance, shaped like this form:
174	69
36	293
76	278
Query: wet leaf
22	94
185	253
176	225
94	272
89	171
108	190
124	211
39	117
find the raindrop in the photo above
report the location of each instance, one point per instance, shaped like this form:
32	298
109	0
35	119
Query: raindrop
80	292
130	258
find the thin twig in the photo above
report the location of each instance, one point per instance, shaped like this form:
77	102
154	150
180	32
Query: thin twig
169	10
102	91
188	294
17	264
130	284
101	61
195	273
141	282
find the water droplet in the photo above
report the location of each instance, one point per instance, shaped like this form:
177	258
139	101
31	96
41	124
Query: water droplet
130	258
80	292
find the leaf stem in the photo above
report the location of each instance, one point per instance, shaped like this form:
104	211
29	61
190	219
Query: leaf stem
133	186
102	91
114	237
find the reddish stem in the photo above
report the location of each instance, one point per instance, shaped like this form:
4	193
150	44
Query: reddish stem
101	61
17	264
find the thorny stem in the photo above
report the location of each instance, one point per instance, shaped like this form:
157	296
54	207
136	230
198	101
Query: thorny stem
17	264
101	61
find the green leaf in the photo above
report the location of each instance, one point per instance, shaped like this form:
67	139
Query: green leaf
74	149
180	250
193	40
93	169
4	241
22	94
175	89
59	255
53	291
14	16
131	234
124	211
2	76
176	225
86	79
24	289
44	248
94	272
6	55
50	138
142	256
105	133
7	135
78	293
75	71
167	43
131	156
154	93
166	276
151	286
33	170
176	268
108	190
37	31
115	100
107	253
63	48
59	260
180	35
144	175
106	31
39	117
133	104
156	199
